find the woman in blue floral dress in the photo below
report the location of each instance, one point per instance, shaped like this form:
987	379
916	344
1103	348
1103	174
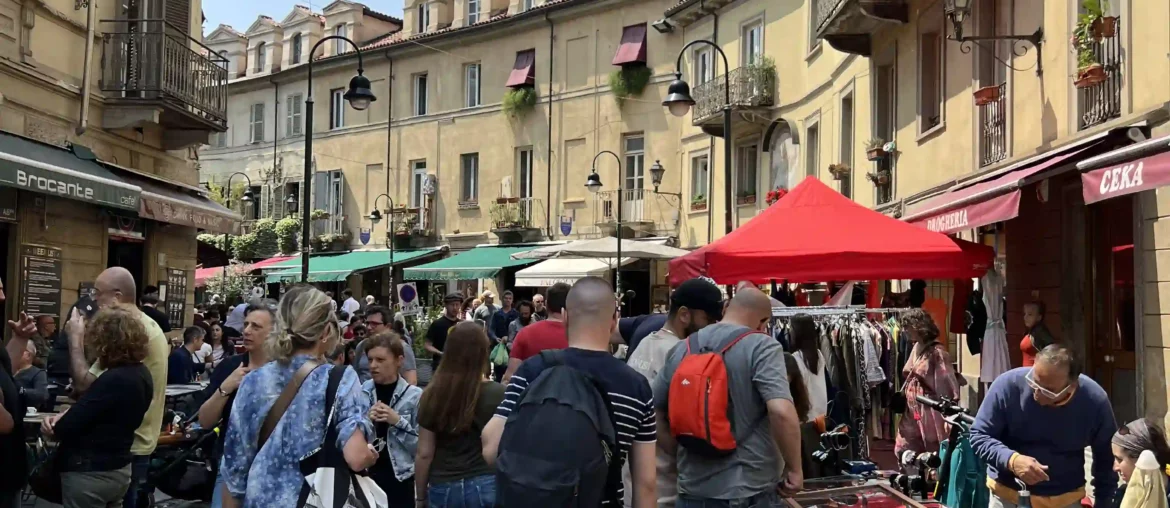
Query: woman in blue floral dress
270	477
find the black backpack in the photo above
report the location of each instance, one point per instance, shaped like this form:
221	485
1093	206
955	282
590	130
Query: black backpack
546	456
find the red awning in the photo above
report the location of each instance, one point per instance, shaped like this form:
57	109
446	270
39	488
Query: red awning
202	274
815	234
524	70
633	47
269	262
973	204
1127	178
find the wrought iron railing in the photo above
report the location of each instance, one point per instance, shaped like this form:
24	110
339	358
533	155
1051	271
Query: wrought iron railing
825	10
751	86
517	213
1102	102
634	208
152	59
993	129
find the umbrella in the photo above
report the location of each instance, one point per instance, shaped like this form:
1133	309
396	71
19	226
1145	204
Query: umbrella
605	248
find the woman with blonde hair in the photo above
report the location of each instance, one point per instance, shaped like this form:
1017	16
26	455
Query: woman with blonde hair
261	470
449	470
96	433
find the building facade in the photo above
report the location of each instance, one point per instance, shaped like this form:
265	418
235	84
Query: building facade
102	109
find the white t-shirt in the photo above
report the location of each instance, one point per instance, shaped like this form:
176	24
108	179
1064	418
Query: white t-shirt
201	355
350	306
818	392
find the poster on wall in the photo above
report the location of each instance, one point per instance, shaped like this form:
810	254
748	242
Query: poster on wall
40	280
176	297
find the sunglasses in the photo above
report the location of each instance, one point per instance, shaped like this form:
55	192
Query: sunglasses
1044	391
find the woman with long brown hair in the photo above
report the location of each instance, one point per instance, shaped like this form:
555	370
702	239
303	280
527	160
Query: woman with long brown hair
449	469
927	372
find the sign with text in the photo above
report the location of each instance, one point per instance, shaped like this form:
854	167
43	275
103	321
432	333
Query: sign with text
40	280
7	204
408	299
176	297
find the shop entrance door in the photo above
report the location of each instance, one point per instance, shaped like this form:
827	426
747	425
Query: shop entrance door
129	255
1113	359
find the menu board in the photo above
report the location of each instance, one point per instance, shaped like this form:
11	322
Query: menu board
40	280
176	296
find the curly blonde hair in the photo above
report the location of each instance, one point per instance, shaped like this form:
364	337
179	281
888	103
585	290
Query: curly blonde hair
921	325
117	336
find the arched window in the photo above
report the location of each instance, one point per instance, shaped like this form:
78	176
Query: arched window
260	58
295	58
785	155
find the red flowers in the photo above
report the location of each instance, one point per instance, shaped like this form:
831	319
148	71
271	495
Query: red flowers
775	195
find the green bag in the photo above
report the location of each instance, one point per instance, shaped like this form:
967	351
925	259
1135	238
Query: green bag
499	354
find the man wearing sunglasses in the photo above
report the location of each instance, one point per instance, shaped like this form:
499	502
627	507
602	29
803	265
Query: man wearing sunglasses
1035	424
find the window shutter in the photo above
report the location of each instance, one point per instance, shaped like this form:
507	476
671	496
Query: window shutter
178	14
265	200
277	196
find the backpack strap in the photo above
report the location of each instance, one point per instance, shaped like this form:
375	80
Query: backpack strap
724	349
552	357
286	397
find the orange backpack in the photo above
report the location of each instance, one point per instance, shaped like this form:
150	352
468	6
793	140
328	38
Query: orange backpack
698	401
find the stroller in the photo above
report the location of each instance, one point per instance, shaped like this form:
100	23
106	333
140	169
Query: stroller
182	466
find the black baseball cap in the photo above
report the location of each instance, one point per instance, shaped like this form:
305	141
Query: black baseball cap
698	294
453	297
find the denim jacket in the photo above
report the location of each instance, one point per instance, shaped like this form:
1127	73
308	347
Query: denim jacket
402	437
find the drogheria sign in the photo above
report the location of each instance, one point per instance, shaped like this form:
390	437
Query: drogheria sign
68	183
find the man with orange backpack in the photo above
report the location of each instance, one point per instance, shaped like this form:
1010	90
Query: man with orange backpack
723	399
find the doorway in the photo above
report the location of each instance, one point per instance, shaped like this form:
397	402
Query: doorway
1112	350
128	254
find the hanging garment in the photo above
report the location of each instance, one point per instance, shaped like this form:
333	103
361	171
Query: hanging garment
976	322
1147	485
995	358
966	474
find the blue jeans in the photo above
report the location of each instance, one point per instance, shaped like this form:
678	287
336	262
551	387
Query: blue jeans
217	494
764	500
474	492
139	469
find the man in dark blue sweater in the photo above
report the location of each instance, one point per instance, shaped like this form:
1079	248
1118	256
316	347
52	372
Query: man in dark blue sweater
181	366
1035	424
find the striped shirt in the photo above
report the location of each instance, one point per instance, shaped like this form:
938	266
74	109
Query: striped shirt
629	394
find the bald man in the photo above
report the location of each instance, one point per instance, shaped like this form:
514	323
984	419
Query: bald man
763	418
115	286
590	317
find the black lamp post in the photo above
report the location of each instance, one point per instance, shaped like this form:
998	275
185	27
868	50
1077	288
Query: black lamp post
593	183
375	217
359	97
227	202
678	101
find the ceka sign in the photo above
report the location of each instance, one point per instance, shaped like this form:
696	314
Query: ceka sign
1134	176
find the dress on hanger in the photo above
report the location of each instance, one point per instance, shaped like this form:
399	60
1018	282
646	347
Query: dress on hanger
995	359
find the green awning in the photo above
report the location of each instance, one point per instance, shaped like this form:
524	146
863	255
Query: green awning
477	263
39	167
337	268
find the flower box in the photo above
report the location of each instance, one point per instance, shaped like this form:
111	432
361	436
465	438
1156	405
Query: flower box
986	95
698	205
876	154
1090	76
1104	27
879	177
746	200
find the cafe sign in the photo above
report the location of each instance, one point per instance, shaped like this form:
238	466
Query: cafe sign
158	208
36	176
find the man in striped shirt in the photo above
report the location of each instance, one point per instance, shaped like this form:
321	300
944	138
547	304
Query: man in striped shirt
590	318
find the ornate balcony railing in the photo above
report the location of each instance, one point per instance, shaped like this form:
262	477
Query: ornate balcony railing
634	208
153	60
993	129
1102	102
517	213
751	86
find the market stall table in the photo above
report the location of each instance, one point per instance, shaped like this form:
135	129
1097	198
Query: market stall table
870	496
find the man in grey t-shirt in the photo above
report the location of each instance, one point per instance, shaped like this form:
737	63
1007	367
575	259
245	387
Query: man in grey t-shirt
762	414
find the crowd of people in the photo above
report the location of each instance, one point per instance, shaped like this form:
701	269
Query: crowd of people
528	404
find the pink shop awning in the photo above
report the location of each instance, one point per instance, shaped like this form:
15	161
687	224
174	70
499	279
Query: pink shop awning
1126	178
969	205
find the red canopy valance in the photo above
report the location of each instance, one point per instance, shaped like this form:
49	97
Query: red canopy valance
815	234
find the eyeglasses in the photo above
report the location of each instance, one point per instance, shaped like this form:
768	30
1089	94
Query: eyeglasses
1044	391
373	324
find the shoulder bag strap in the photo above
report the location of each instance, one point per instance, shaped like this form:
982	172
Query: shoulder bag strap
286	397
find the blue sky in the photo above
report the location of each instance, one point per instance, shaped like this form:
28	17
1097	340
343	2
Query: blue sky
240	14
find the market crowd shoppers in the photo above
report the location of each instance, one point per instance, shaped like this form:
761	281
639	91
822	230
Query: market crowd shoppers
590	316
540	313
44	339
378	320
485	310
96	433
269	474
927	372
12	411
498	327
543	335
57	363
350	305
235	316
181	366
220	394
1128	444
392	404
632	330
694	305
116	286
31	380
761	411
150	308
450	470
1034	425
219	349
1037	336
436	338
811	363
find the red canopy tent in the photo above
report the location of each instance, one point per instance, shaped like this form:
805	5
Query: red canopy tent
814	234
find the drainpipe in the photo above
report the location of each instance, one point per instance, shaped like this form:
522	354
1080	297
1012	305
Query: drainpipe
275	128
389	118
548	191
87	62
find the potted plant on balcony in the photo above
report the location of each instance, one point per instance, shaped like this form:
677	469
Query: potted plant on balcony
839	171
879	177
761	73
1089	29
986	95
774	195
744	197
318	214
519	101
629	81
1100	25
699	202
874	150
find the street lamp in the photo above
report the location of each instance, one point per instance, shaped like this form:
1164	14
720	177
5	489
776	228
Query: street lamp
290	205
958	11
359	97
227	202
593	183
375	218
679	101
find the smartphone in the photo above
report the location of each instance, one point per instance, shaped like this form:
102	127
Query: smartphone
86	305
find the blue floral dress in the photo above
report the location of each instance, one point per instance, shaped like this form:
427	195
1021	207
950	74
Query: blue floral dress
271	477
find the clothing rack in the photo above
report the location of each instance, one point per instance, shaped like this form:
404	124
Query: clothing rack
787	312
